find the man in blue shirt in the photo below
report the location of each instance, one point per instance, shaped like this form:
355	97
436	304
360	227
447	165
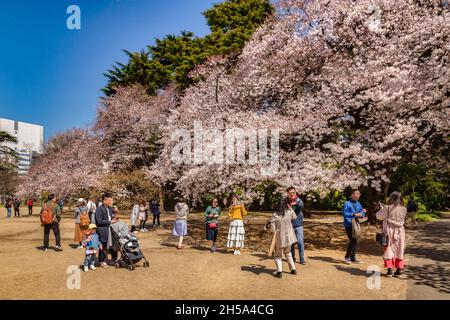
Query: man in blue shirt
297	205
352	209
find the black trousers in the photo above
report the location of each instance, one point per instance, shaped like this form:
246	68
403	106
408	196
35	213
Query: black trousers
156	217
55	227
102	253
352	245
16	212
30	210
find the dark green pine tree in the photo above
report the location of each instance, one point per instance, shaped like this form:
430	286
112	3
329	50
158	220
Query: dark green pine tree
170	59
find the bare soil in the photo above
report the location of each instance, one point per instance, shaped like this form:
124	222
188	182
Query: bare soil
192	273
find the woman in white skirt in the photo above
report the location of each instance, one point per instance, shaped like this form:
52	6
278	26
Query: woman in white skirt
236	231
134	216
180	227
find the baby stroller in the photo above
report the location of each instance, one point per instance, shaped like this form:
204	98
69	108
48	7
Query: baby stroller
128	245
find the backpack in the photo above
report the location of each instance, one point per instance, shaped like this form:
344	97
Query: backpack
84	219
46	214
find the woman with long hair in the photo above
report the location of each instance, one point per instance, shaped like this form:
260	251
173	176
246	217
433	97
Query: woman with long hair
393	216
281	225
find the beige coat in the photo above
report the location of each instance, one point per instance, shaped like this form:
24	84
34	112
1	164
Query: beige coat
393	220
285	235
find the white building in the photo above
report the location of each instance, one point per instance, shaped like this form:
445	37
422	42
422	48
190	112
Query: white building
30	139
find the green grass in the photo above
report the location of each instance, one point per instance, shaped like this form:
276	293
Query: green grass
427	217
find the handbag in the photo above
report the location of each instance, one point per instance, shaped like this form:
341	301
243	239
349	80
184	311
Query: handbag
381	237
356	227
212	225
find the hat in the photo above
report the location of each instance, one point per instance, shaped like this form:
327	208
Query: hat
92	226
81	200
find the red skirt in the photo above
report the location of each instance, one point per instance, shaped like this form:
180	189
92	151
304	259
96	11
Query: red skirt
394	263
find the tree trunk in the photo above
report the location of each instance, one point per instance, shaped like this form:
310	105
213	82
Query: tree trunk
307	209
161	200
372	204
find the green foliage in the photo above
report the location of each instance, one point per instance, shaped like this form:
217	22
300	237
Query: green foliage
232	23
427	186
8	156
426	217
333	200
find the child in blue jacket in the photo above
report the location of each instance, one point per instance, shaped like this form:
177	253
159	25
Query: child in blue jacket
92	244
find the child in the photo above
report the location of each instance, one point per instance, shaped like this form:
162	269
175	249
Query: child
92	244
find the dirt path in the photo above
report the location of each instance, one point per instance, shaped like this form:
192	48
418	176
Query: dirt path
193	273
429	262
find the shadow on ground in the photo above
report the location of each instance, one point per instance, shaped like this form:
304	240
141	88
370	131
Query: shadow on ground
431	241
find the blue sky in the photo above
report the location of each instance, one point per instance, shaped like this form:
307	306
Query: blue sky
52	76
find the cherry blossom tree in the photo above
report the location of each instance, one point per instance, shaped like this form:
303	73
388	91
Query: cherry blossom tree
337	93
70	168
355	88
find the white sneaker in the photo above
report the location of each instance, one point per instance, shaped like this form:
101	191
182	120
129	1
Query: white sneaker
142	230
235	252
145	230
86	269
80	247
92	267
46	249
238	252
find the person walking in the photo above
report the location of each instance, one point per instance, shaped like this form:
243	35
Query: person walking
180	227
393	216
82	221
281	225
16	207
154	208
297	205
8	206
236	231
411	209
352	209
61	204
52	206
104	216
212	214
30	204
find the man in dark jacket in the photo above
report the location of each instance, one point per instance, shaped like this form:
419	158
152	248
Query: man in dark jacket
297	205
16	207
104	217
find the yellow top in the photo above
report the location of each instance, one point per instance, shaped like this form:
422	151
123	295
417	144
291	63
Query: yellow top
237	212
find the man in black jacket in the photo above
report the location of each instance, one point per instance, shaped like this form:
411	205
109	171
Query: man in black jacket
104	217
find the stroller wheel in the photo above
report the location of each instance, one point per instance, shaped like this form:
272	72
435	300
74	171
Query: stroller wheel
146	264
131	268
117	265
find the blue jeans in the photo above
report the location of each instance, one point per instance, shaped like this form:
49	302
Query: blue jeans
301	244
9	212
89	259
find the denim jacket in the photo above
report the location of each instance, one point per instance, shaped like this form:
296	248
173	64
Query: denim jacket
298	222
